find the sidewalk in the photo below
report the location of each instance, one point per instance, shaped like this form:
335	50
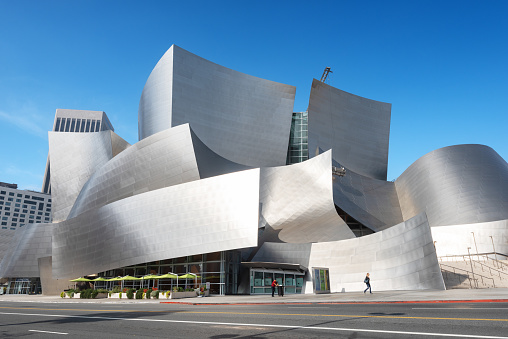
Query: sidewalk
429	296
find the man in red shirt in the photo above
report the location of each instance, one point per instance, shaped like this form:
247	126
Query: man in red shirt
274	284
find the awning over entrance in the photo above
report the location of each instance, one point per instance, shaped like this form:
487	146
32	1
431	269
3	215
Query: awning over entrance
274	266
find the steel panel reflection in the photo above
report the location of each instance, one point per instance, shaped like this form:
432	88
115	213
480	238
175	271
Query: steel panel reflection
240	117
204	216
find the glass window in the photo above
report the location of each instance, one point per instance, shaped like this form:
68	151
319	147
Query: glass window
87	125
98	126
73	124
92	128
11	194
57	125
62	125
82	126
258	279
78	125
67	125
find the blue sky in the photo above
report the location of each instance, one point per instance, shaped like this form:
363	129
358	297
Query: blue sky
442	64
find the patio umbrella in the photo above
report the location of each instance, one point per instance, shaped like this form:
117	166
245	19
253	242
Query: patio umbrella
189	276
98	279
150	277
80	279
128	277
170	276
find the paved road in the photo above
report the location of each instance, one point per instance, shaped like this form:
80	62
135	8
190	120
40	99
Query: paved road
102	320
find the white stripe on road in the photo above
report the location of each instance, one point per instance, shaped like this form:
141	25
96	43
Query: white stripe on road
306	307
47	332
260	325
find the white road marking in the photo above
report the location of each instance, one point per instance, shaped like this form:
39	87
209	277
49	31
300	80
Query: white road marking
261	325
306	307
47	332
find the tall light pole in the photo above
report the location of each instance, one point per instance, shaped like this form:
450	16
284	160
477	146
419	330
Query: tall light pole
477	254
471	263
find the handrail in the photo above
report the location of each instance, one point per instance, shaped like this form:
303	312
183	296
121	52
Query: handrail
476	274
472	254
490	268
486	255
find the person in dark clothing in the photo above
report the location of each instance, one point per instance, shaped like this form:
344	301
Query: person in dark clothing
274	284
367	281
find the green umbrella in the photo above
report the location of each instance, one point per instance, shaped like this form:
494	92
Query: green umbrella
170	276
114	279
151	276
189	276
98	279
128	277
80	279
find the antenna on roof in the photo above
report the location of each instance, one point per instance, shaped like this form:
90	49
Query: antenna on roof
325	74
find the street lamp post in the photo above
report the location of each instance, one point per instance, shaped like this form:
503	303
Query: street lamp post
477	254
471	263
494	248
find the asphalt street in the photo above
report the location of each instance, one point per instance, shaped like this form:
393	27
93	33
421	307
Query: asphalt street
156	320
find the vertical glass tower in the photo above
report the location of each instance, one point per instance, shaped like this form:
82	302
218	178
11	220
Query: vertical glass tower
298	149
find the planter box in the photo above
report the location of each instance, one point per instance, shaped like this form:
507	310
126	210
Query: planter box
180	295
102	296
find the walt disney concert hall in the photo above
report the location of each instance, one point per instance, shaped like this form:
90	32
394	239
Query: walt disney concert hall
228	183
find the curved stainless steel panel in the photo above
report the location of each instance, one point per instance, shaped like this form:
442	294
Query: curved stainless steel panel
209	215
6	237
356	128
297	201
401	257
30	242
454	185
167	158
74	158
372	202
242	118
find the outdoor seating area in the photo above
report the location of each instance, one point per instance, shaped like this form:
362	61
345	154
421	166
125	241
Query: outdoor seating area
129	287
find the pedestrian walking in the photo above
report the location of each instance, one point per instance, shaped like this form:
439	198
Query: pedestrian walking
367	281
274	284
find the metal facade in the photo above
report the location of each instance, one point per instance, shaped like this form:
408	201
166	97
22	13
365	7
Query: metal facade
455	185
240	117
356	128
401	257
74	158
372	202
31	242
297	202
209	175
209	215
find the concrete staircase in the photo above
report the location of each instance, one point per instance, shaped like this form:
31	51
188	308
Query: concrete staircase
475	272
